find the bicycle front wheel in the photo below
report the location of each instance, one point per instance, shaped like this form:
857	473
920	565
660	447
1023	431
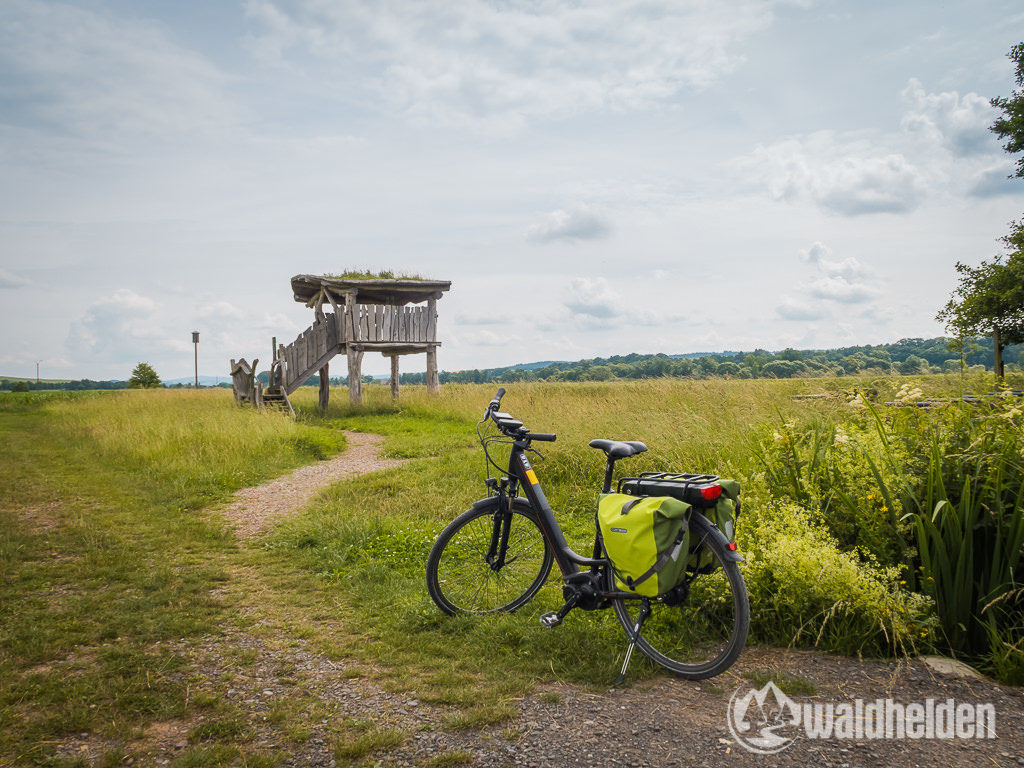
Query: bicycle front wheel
459	578
699	629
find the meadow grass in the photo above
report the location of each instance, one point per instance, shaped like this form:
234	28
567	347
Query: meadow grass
110	567
103	556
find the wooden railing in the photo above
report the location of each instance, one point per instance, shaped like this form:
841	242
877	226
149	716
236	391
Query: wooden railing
309	352
384	323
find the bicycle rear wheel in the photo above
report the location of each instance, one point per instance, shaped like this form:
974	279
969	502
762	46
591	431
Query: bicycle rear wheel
698	631
459	578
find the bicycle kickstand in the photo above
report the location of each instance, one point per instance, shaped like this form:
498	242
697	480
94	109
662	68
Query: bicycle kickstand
645	611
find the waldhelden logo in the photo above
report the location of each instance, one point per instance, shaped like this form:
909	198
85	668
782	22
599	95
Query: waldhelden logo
767	721
763	721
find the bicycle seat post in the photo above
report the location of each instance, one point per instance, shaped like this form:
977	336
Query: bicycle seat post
609	469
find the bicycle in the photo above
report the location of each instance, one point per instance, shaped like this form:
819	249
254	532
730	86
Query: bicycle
497	555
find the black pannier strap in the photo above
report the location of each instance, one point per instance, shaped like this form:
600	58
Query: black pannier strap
672	554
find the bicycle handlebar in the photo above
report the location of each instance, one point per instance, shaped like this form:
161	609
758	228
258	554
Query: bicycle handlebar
511	427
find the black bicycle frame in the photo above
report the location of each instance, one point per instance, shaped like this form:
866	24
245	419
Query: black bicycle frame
519	469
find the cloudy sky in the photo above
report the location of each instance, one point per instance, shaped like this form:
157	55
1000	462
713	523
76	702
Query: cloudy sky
595	178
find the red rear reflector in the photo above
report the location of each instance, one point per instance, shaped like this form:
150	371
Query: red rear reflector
711	492
732	546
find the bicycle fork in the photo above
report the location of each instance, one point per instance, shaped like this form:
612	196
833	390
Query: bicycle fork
502	525
633	636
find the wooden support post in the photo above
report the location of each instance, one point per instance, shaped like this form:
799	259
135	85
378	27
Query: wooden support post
394	377
355	375
431	320
433	383
318	308
325	388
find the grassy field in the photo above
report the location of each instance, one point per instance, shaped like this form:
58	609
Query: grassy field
109	556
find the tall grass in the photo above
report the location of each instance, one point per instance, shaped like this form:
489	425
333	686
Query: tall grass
190	446
938	494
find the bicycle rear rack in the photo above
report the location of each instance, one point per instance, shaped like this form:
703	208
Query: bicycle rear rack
684	486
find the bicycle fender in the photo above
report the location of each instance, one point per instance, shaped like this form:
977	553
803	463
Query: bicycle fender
733	556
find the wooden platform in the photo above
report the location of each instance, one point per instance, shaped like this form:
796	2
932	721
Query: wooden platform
375	315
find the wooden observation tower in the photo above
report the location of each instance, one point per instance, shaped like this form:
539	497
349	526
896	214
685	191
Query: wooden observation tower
371	315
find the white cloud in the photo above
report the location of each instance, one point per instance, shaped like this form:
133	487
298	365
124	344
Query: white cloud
848	281
994	181
943	138
485	338
117	327
579	223
498	65
11	280
87	74
792	309
847	269
840	289
275	321
846	177
464	319
958	123
221	310
592	297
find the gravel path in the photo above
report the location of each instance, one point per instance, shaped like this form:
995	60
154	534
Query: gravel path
647	724
255	508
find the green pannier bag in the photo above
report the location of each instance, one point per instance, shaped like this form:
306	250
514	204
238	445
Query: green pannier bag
647	539
723	514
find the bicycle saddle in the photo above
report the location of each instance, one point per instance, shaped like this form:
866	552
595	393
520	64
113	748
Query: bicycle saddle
619	449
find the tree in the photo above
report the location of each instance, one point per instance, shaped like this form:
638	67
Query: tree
143	377
990	299
1011	126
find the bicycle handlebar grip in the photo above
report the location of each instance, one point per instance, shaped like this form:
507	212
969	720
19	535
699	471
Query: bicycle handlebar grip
495	404
544	437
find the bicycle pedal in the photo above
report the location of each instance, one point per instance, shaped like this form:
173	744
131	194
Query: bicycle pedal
550	620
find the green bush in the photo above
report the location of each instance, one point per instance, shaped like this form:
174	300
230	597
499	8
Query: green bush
805	591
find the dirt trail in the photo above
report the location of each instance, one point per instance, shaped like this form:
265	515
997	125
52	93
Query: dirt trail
255	508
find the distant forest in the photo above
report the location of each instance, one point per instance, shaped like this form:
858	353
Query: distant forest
906	356
79	384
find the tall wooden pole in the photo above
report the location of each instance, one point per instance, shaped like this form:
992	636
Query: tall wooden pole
325	389
394	377
355	375
433	383
195	343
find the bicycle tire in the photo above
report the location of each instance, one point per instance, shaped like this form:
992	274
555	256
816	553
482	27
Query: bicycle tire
460	580
702	636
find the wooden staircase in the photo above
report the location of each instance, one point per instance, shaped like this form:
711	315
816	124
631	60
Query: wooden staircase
276	397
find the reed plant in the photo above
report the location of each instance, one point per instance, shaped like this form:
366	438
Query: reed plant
937	493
